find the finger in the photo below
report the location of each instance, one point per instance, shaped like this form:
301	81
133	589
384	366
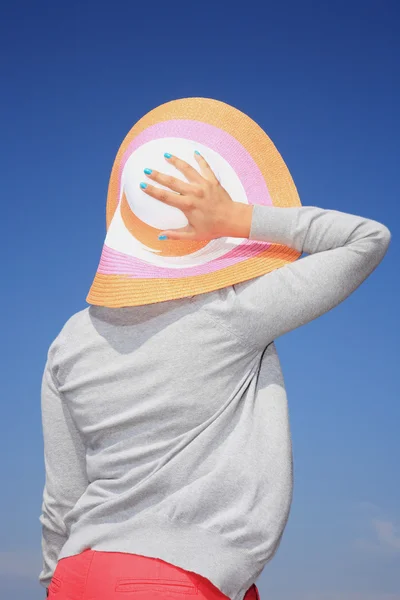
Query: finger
176	200
184	233
177	185
205	168
191	174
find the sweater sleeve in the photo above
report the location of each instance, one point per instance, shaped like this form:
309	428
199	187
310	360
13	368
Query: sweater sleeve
65	470
343	250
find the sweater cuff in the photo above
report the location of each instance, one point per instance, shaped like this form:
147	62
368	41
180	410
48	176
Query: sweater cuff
274	224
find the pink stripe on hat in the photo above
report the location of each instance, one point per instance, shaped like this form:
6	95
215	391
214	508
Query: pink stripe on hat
218	140
113	262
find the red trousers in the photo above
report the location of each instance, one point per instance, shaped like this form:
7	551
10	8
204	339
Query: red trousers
95	575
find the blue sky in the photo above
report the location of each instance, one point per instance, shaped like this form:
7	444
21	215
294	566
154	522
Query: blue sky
323	80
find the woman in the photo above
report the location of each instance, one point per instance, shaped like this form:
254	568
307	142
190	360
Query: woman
167	442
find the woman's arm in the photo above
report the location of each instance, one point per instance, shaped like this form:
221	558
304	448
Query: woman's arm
343	251
65	467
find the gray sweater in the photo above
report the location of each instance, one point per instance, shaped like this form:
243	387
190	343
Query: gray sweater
165	426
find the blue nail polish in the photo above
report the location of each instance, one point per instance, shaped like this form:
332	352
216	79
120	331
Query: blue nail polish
162	237
148	171
143	185
197	152
167	155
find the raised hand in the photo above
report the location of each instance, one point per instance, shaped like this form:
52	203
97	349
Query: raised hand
208	207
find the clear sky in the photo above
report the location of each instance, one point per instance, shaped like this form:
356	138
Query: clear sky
322	79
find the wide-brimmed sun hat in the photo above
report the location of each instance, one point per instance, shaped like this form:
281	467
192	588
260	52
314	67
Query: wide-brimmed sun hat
136	267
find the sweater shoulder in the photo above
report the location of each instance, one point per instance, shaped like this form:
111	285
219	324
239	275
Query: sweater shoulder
75	325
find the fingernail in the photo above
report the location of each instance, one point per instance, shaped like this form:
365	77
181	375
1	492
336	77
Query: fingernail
197	152
148	171
167	155
162	237
143	185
